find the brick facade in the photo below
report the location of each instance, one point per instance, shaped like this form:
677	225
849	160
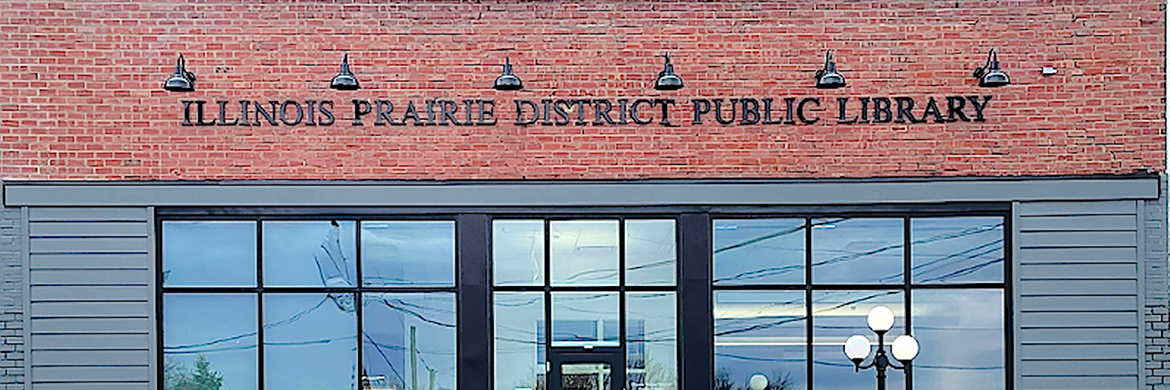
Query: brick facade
11	300
81	87
1157	318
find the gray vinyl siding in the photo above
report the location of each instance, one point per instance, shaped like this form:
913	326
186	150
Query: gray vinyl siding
91	298
1077	314
1157	300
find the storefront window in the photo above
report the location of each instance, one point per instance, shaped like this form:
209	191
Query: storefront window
760	333
209	254
304	308
759	251
614	334
763	305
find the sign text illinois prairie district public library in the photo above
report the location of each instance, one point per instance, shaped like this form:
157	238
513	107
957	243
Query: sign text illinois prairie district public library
582	112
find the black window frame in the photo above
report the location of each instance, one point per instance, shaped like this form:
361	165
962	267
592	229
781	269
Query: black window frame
260	290
694	287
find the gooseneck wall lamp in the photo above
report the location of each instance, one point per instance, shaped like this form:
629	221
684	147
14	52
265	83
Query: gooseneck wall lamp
182	80
989	74
857	347
827	77
508	81
345	80
667	80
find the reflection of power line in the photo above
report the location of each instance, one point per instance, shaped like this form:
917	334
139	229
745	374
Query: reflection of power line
789	320
766	272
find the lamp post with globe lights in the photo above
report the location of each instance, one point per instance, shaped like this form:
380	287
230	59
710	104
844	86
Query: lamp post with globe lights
904	349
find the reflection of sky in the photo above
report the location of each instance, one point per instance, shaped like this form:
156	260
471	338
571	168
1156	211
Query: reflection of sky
295	254
650	252
834	320
585	317
759	251
760	332
406	253
309	343
388	319
209	253
193	322
966	250
857	250
583	253
962	339
516	317
517	253
654	314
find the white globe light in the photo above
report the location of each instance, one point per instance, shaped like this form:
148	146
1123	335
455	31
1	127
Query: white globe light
905	348
758	382
857	347
880	319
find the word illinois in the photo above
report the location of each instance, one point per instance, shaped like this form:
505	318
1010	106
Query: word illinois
583	112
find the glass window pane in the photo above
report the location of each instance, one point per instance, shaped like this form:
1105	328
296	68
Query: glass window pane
840	314
585	318
651	361
759	251
309	253
218	329
408	253
310	341
519	340
857	250
760	333
585	376
650	252
960	349
397	323
959	249
584	253
517	253
209	253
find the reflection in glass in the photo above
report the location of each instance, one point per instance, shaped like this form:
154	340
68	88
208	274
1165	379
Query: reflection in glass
759	251
585	318
857	250
399	326
584	253
215	331
650	252
310	253
519	339
310	341
760	332
961	336
408	253
209	253
585	376
650	341
840	314
957	249
517	252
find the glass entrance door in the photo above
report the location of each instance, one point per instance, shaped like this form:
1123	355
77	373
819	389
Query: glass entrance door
574	369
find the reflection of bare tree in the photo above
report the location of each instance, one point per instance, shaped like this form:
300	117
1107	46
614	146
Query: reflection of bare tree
779	380
535	381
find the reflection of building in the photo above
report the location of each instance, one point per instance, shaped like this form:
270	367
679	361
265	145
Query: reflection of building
440	234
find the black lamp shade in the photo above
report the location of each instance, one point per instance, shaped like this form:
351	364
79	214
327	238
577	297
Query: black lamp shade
828	77
345	80
508	81
181	80
989	75
667	80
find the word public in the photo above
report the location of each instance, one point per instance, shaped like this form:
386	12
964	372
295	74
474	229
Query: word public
585	112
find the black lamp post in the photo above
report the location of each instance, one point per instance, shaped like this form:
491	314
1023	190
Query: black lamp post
904	348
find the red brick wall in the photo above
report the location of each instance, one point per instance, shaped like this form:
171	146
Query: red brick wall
81	96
